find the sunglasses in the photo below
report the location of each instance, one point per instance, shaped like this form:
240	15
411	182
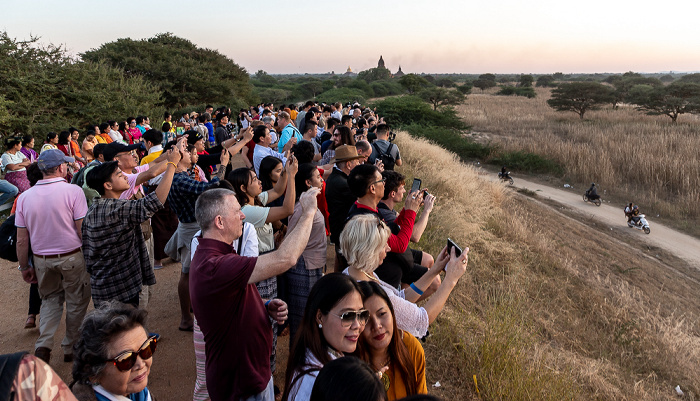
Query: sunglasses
347	318
126	360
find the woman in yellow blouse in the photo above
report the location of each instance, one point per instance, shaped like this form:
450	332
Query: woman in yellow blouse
383	346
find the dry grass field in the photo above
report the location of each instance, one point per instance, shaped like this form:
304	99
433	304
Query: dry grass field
632	156
550	309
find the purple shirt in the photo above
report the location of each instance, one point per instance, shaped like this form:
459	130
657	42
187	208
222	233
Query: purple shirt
30	153
234	321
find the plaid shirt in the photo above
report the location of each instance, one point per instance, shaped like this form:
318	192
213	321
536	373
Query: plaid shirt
115	252
184	193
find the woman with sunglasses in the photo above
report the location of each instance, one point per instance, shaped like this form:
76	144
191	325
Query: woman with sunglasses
384	346
363	242
113	356
331	326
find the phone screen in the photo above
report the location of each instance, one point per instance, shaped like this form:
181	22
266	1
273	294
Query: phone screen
451	244
416	185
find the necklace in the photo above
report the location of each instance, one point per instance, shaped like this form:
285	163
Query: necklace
368	276
386	380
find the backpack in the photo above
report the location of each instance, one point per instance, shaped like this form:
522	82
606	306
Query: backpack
8	240
386	158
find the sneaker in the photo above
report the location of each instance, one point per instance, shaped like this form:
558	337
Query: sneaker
43	353
157	267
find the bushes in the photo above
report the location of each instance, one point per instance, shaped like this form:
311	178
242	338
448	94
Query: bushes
407	110
528	162
342	95
451	139
526	91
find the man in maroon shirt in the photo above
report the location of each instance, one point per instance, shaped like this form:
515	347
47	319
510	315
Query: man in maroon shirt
226	303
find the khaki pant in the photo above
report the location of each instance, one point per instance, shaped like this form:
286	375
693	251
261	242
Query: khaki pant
61	280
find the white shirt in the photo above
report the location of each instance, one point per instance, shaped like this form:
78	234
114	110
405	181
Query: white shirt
249	245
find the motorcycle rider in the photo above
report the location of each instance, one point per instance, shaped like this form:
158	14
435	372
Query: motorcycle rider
592	193
504	174
635	215
628	211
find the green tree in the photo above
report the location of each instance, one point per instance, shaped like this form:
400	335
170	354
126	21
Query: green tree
465	88
265	78
485	81
413	83
672	100
627	82
445	82
580	97
185	74
692	78
343	95
526	81
438	96
374	74
273	95
545	81
526	91
668	78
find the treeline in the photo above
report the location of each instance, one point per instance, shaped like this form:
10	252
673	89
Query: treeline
43	88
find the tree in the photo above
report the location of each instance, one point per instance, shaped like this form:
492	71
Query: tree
580	97
445	82
627	82
273	95
526	81
694	78
265	78
438	96
465	88
526	91
668	78
413	83
185	74
485	81
374	74
545	81
672	100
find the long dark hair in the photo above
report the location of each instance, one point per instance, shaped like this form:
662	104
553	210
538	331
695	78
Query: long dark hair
238	178
397	349
346	137
268	164
304	173
324	295
64	138
347	379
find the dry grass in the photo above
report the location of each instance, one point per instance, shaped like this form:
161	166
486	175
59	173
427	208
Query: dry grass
633	156
550	309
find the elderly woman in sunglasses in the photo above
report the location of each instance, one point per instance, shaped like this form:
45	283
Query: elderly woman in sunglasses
363	242
333	320
113	356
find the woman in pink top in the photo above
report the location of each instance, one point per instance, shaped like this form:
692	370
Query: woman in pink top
134	133
28	148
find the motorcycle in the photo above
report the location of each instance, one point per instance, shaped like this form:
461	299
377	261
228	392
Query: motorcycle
506	177
640	223
595	201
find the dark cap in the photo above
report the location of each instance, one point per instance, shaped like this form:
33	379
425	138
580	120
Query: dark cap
193	136
112	149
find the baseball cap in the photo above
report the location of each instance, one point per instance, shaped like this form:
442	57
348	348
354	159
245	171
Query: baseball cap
112	149
51	158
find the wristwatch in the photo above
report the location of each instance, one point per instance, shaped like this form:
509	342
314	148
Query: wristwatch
25	269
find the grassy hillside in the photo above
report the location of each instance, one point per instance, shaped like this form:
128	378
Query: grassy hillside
550	309
632	156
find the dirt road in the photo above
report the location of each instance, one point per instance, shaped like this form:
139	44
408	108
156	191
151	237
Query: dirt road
681	245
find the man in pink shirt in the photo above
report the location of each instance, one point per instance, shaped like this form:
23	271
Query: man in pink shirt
49	216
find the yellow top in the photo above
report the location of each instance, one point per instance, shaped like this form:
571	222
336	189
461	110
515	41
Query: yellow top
149	158
397	388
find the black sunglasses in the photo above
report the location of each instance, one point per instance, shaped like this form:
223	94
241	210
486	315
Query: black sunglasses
126	360
346	318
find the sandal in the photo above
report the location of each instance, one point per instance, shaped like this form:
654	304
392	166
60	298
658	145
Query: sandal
31	322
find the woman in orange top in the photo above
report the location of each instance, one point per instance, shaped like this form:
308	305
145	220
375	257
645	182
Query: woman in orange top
383	346
75	148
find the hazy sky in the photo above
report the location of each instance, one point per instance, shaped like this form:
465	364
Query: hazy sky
502	36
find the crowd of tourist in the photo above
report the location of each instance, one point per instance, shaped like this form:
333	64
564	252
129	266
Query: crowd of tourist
250	205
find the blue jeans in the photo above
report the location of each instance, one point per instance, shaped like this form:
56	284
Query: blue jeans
267	395
7	191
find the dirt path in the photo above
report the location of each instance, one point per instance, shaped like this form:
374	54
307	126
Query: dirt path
681	245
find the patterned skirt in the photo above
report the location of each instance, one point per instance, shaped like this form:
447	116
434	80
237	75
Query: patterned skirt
18	179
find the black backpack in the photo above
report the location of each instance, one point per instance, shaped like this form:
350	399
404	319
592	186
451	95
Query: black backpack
386	158
8	240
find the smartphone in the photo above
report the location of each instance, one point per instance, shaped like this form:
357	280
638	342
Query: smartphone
450	245
416	185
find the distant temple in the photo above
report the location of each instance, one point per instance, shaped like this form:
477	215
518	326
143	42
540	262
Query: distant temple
380	64
399	73
349	72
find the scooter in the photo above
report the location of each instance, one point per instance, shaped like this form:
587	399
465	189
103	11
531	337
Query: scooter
596	201
640	223
506	177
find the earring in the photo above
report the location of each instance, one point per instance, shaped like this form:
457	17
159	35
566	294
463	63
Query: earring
320	326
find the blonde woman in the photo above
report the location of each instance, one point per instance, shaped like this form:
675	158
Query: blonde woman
363	242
